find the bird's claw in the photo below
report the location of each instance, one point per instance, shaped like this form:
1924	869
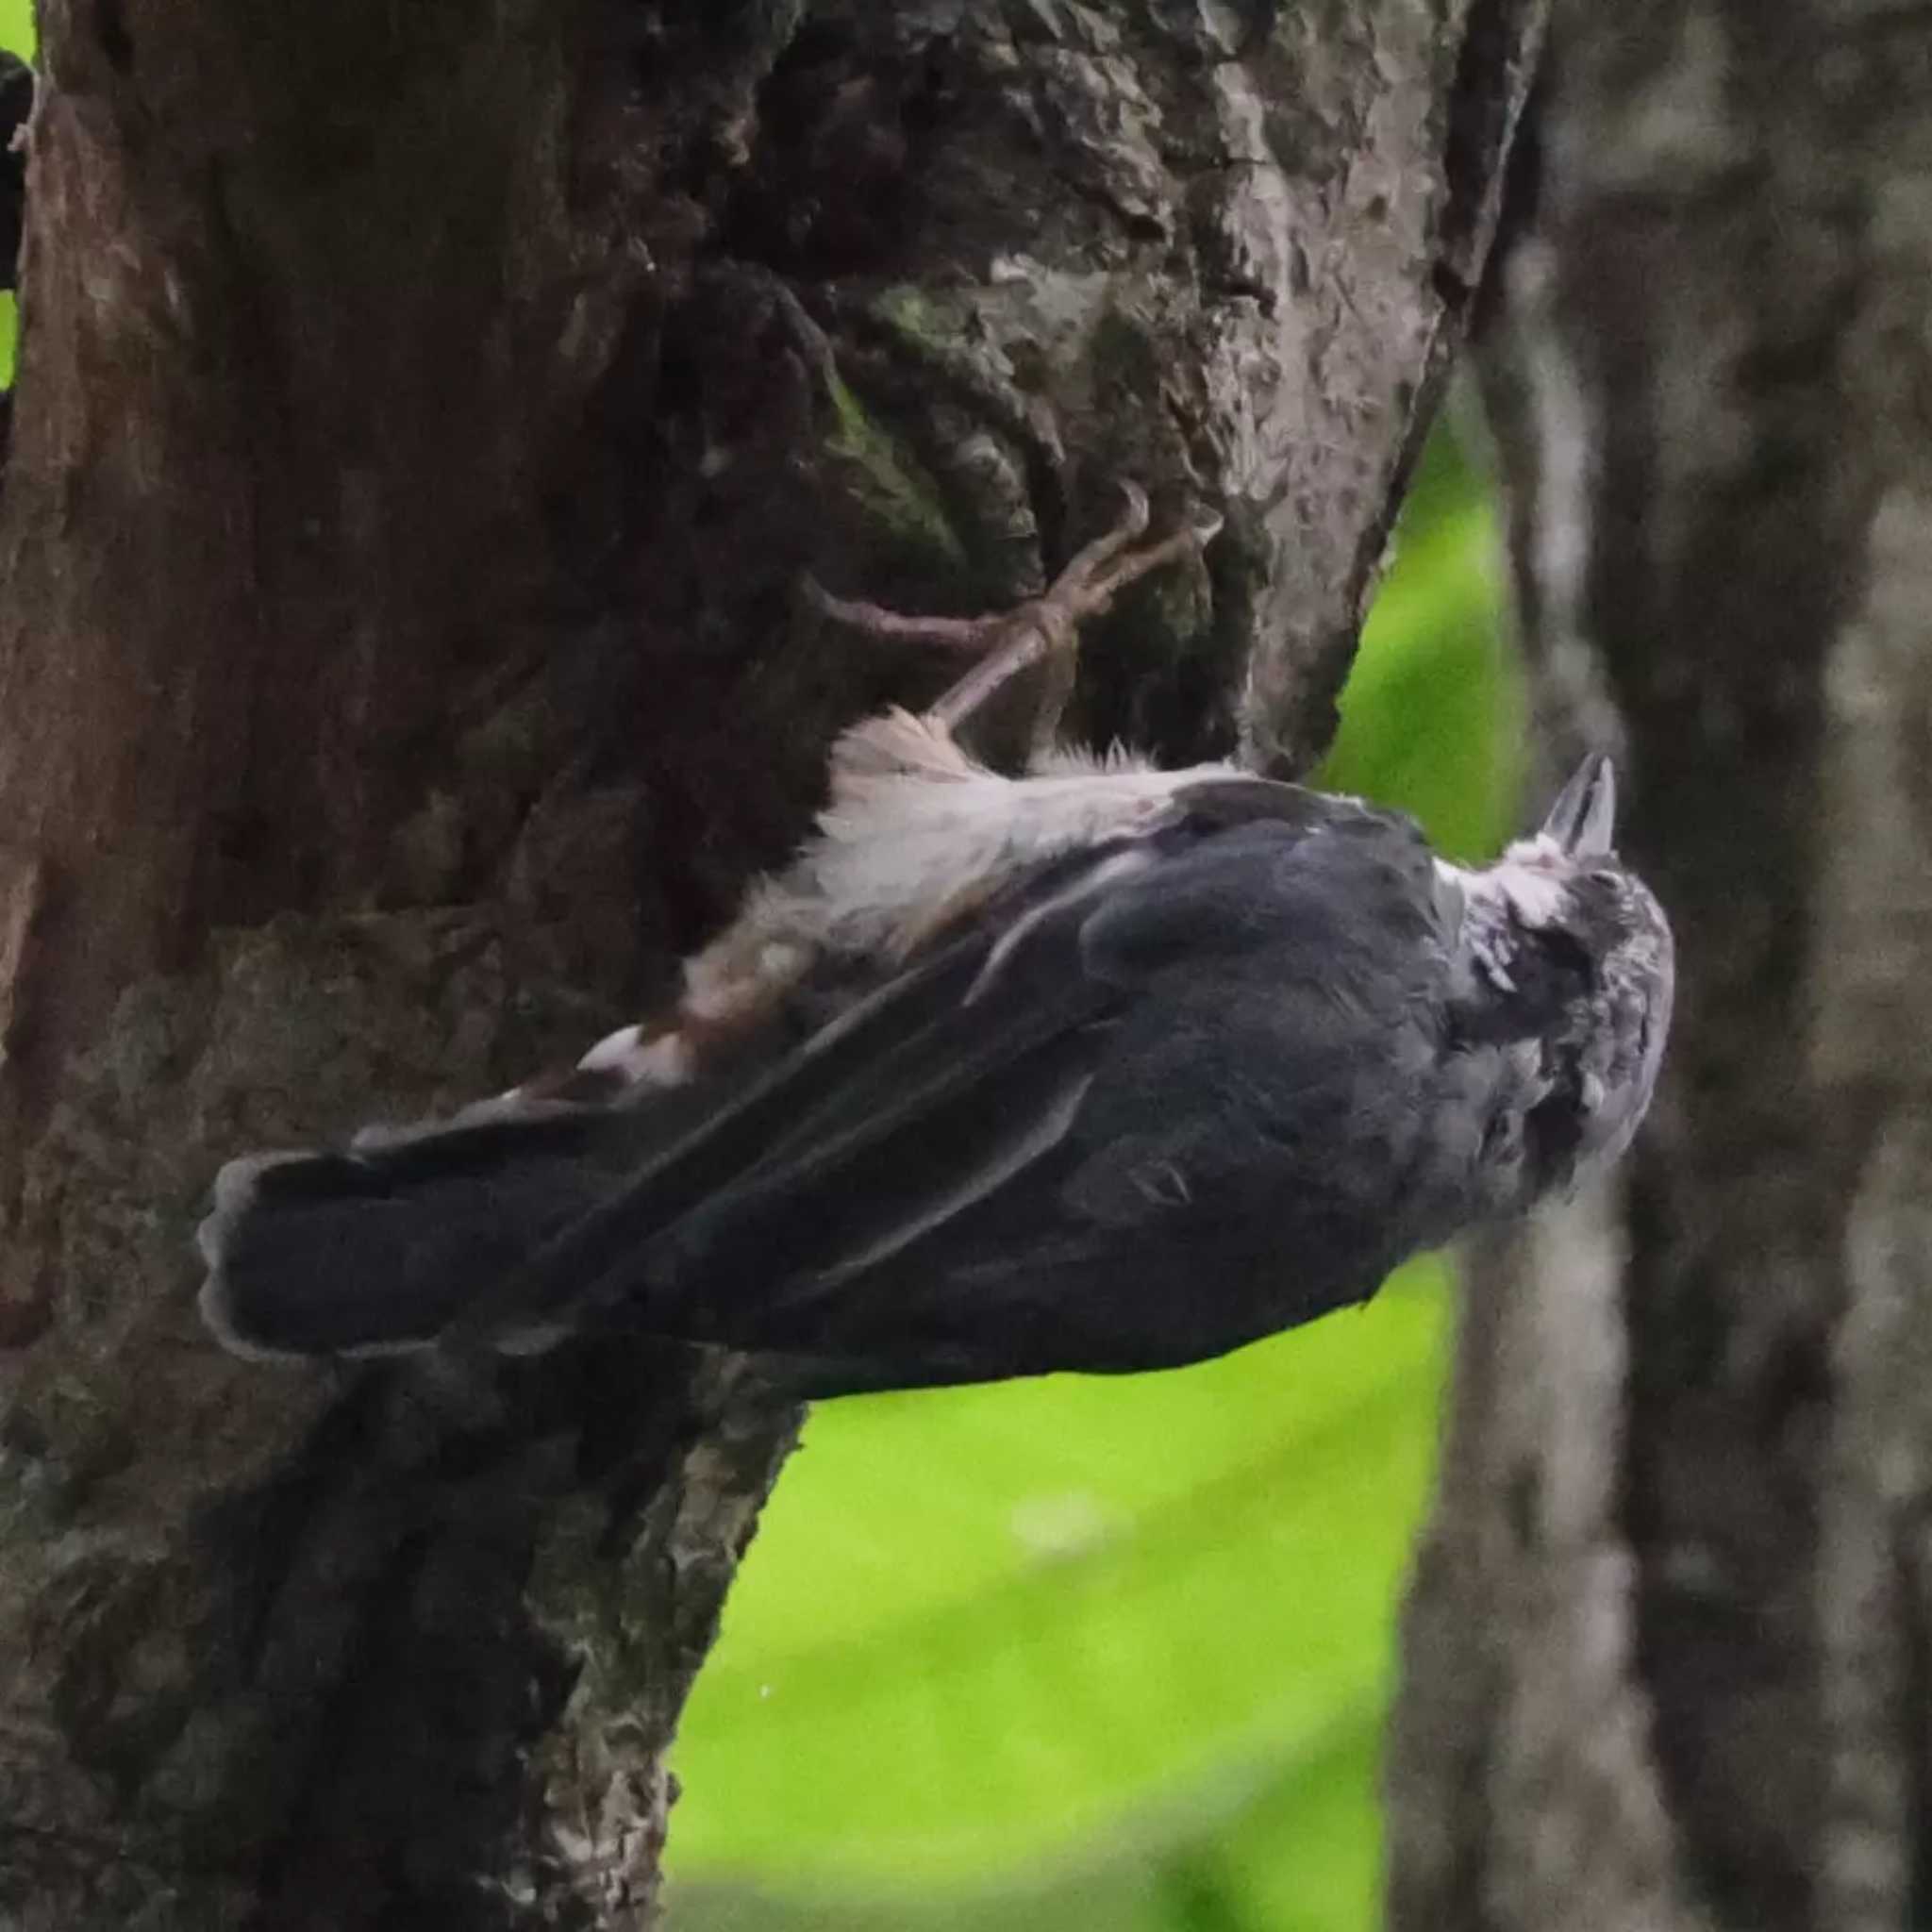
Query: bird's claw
1007	643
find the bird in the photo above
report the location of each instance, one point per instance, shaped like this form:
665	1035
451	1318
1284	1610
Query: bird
1092	1066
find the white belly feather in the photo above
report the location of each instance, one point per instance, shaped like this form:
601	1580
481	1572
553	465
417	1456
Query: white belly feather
917	835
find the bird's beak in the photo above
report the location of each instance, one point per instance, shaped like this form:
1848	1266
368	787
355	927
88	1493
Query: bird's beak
1583	821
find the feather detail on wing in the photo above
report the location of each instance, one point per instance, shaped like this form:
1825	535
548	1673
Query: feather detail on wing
930	1091
948	1085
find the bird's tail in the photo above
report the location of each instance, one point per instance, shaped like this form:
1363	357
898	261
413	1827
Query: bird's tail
381	1248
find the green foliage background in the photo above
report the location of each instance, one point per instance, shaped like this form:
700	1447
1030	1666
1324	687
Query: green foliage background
1115	1653
1109	1655
16	37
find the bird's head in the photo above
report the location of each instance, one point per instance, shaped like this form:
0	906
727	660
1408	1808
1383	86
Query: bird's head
1570	964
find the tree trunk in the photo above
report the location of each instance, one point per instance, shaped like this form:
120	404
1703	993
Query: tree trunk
425	415
1666	1649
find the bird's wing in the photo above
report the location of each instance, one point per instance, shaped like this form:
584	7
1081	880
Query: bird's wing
955	1078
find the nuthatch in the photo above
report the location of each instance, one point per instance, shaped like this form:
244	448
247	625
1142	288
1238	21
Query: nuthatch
1096	1068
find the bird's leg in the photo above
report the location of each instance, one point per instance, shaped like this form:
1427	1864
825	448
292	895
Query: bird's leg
1046	627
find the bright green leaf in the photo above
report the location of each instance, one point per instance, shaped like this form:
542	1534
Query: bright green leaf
978	1627
1434	714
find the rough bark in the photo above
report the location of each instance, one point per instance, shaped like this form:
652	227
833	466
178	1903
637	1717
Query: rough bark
1665	1649
424	416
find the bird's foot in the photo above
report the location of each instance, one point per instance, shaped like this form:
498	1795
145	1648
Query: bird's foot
1045	629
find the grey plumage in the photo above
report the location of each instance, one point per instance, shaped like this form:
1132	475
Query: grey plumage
1127	1075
